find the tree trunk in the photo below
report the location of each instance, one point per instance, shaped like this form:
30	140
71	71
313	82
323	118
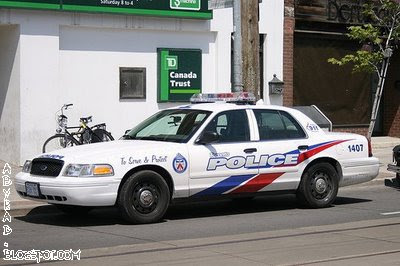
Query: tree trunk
250	47
378	96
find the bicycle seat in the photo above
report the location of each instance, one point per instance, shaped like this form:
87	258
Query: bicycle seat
86	119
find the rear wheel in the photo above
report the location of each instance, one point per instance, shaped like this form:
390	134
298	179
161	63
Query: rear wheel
144	197
101	135
58	141
319	186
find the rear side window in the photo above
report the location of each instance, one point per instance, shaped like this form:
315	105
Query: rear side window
276	125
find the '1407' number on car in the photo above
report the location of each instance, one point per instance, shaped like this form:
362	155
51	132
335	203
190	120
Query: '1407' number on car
355	148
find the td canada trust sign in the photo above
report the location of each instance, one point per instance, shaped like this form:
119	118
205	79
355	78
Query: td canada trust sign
196	9
179	74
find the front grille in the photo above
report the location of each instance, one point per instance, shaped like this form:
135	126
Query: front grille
46	167
46	197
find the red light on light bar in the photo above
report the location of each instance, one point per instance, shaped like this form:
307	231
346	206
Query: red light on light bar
229	97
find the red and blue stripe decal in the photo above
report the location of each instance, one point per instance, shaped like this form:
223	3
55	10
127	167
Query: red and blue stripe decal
255	182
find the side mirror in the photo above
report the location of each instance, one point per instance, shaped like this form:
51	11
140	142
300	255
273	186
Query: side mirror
127	131
208	137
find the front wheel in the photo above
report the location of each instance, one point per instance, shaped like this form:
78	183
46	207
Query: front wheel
58	141
144	197
319	186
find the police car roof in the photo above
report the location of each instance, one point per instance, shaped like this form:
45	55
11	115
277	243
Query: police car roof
222	106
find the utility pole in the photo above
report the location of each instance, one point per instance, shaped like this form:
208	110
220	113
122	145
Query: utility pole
251	47
237	47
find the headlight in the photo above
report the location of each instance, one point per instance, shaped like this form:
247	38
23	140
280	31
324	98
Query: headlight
27	166
88	170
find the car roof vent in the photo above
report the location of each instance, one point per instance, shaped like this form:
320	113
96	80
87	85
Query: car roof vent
316	115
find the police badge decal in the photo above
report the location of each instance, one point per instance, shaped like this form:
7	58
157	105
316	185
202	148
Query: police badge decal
179	163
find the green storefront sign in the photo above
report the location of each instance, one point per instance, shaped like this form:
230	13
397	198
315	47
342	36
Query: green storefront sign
179	74
170	8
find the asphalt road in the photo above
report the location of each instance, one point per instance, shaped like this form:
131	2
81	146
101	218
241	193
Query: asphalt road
44	229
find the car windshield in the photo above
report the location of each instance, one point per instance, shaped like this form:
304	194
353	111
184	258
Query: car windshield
176	125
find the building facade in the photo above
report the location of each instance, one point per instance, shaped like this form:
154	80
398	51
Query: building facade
108	63
314	31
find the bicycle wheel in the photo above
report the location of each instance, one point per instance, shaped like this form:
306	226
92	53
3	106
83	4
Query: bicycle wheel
101	135
58	141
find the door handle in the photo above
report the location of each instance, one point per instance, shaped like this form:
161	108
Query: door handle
250	150
303	148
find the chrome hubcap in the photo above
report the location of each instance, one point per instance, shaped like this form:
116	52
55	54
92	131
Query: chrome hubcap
146	198
320	185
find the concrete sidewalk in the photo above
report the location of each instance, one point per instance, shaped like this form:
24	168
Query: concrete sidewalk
371	242
381	147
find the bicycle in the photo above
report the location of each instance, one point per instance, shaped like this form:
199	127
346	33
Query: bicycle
84	135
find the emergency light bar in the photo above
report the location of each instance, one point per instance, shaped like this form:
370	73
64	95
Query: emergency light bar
229	97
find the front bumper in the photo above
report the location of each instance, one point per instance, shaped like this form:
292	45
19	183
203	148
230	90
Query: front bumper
358	171
96	191
394	168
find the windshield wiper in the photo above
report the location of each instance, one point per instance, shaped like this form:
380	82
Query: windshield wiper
126	136
152	138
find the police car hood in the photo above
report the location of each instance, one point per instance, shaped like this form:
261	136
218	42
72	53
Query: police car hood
109	149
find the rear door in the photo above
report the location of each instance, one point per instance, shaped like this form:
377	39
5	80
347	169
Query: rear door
282	140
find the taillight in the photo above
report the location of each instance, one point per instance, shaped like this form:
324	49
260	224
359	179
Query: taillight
369	148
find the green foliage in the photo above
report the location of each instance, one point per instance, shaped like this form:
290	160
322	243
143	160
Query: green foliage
365	34
380	33
363	61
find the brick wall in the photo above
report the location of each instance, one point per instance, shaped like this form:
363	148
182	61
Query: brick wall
288	41
357	130
391	99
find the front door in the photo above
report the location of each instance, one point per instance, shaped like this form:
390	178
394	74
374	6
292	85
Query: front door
222	166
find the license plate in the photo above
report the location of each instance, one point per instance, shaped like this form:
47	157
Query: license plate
32	189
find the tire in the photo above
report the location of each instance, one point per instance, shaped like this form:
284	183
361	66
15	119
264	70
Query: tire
144	198
58	141
101	135
73	210
319	186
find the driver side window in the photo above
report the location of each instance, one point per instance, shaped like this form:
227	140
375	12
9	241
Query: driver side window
230	126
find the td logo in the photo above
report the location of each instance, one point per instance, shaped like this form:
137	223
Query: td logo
185	4
175	3
171	62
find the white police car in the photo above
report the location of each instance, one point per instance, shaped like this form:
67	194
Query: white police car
202	150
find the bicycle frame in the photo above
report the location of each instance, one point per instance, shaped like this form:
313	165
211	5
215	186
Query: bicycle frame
84	134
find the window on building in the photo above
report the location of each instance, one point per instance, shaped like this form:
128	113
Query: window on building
275	125
343	96
132	83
